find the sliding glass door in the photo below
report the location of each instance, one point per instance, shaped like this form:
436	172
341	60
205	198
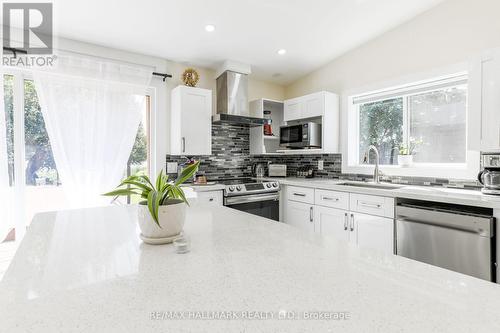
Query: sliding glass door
34	182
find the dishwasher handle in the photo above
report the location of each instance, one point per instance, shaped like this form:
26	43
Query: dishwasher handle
482	226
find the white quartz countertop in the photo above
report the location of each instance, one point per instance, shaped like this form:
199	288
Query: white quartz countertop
205	188
87	271
440	194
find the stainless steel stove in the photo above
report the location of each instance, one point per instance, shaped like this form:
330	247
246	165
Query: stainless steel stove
258	197
248	186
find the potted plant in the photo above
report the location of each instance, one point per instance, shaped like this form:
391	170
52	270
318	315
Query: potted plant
162	212
405	157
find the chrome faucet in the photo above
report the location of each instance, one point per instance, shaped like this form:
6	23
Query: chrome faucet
376	172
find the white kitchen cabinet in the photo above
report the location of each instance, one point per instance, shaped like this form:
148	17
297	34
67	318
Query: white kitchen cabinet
338	214
321	107
333	222
191	121
310	106
314	105
487	99
367	231
300	215
373	232
293	109
210	198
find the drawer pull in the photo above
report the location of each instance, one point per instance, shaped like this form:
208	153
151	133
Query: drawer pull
299	194
369	205
329	198
211	199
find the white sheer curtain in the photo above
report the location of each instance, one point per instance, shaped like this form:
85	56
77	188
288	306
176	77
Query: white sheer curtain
6	220
92	110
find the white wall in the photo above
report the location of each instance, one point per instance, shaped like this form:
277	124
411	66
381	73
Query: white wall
450	33
161	103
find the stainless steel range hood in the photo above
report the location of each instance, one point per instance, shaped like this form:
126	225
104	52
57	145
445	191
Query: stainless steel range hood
232	101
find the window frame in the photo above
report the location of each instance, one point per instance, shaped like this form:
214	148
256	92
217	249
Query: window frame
350	122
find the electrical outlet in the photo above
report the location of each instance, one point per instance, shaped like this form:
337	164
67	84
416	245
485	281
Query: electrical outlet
172	167
320	164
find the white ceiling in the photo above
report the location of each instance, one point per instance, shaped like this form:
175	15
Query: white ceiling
250	31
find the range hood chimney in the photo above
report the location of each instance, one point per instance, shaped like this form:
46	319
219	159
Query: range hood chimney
232	99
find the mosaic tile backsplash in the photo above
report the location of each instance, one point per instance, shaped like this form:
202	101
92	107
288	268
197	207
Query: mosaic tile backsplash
231	159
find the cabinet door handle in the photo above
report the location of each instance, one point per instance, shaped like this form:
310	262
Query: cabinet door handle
369	205
183	144
329	198
299	194
345	221
310	214
352	222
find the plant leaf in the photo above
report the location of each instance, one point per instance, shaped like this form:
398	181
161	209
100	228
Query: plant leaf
141	186
121	192
187	173
159	180
153	207
145	178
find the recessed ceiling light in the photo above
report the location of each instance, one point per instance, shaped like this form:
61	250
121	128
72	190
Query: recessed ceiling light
210	27
281	51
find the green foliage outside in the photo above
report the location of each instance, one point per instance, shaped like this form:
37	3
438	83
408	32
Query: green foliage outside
381	125
40	164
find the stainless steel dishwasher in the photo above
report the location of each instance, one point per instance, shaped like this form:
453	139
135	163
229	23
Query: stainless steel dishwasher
455	237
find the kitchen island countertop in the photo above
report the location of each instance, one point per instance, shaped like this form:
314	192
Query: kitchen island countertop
87	271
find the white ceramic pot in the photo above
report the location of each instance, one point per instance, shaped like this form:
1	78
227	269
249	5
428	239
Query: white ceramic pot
171	217
405	160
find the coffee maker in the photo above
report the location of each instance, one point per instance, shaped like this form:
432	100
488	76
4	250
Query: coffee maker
489	177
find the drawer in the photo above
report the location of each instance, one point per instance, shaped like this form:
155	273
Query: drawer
300	194
210	198
332	199
372	204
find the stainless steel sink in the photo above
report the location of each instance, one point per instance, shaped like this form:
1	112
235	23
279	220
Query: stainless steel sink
381	186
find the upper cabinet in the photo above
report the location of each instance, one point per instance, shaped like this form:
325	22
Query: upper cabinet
321	107
191	121
309	106
484	99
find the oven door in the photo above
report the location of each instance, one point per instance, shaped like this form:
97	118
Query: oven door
291	136
265	205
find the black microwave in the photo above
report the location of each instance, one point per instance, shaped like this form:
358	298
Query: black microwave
306	135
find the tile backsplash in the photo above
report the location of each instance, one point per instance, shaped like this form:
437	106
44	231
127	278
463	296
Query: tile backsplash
231	156
231	159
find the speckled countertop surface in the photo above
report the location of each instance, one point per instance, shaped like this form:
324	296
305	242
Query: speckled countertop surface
87	271
440	194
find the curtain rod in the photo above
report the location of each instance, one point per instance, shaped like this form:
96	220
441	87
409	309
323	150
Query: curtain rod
15	51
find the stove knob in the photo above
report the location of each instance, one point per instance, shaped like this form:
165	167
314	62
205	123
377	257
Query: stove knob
238	188
275	184
268	185
231	188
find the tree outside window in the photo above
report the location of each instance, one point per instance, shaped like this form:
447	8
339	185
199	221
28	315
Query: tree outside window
381	125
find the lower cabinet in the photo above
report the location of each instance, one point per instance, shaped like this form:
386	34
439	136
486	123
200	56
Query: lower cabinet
373	232
300	215
210	198
365	230
331	221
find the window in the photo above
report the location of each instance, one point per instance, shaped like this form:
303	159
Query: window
139	160
381	125
430	117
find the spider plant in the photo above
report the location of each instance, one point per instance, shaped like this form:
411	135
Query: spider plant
158	194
